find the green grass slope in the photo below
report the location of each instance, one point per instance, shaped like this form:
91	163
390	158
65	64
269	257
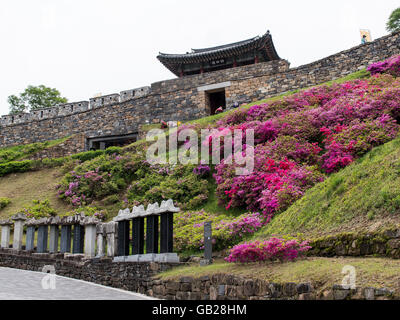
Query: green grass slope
362	197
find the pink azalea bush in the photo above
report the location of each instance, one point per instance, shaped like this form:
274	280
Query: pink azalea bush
270	250
390	66
301	138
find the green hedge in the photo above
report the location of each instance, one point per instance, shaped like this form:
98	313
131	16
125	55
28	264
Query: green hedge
30	165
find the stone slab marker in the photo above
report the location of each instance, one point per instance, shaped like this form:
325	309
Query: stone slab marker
90	224
111	234
65	245
100	231
152	234
30	238
208	241
167	229
5	233
78	241
43	234
54	235
123	238
19	220
138	236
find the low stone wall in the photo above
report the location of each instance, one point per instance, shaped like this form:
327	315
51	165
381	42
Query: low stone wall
384	244
232	287
141	277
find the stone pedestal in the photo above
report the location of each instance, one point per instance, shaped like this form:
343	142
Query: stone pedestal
65	245
123	238
30	238
90	240
54	235
5	235
152	234
138	236
19	220
78	240
167	229
43	234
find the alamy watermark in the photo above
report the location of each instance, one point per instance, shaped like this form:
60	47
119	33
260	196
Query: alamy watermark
49	280
215	144
349	280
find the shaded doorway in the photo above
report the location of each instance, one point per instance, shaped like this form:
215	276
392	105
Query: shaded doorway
216	99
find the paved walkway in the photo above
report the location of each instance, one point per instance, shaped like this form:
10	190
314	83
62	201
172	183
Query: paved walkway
28	285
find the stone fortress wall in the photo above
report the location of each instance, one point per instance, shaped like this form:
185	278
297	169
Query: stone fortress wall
186	98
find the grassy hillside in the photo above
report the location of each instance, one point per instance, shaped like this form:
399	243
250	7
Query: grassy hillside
24	151
23	188
363	196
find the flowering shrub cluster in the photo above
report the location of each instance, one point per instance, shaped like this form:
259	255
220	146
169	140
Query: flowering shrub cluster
302	137
189	229
39	209
271	250
202	170
98	178
89	211
390	66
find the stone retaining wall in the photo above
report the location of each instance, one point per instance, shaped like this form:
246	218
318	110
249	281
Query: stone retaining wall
72	145
384	244
142	278
185	98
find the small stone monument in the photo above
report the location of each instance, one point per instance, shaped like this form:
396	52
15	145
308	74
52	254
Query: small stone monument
207	244
5	233
90	235
19	220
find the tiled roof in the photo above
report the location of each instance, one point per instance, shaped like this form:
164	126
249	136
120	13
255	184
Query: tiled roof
174	61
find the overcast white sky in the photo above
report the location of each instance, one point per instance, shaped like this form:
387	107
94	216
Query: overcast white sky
87	47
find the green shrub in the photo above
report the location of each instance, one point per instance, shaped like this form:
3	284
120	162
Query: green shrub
89	211
162	182
4	202
40	209
15	166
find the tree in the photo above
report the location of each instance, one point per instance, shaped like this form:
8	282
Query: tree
34	98
393	24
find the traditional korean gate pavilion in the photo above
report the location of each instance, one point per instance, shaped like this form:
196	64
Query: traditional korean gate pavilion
251	51
200	61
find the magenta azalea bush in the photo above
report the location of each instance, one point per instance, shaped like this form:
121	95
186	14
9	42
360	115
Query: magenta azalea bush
303	137
390	66
270	250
